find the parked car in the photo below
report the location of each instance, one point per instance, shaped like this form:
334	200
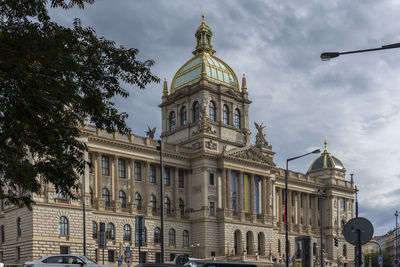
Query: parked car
209	263
63	261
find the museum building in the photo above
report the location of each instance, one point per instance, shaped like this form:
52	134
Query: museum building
223	196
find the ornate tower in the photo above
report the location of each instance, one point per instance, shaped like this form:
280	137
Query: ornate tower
205	107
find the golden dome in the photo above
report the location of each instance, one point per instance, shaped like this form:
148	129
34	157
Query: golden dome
204	64
326	161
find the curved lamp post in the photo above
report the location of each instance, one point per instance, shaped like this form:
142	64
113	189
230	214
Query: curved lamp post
317	151
328	55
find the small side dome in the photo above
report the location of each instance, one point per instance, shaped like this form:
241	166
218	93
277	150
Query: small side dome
326	161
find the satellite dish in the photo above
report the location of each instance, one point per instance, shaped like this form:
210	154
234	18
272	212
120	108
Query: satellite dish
355	226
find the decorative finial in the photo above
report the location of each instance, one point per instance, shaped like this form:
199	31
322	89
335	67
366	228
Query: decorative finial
244	86
203	17
165	89
326	143
351	178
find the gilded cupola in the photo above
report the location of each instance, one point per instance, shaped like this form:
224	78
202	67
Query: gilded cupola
204	65
326	161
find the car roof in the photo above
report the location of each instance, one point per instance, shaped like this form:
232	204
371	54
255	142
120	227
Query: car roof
156	265
223	262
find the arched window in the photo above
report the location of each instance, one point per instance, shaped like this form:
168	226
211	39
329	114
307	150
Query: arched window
181	207
172	121
196	112
91	196
212	111
106	197
344	250
183	116
153	203
171	237
167	204
94	229
138	201
19	227
237	242
110	234
249	243
157	235
237	118
122	199
127	232
225	115
185	238
261	243
63	226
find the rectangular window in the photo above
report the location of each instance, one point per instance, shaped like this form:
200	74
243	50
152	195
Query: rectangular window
152	174
64	250
342	204
167	176
142	257
121	168
1	256
18	253
138	171
158	257
211	179
111	255
212	253
90	161
181	178
212	208
105	166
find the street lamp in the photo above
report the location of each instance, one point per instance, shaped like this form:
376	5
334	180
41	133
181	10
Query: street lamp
317	151
159	148
328	55
396	214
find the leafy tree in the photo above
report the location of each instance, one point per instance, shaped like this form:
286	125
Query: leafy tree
387	260
51	79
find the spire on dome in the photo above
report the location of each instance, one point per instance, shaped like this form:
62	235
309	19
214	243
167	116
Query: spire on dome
244	86
203	38
325	143
165	88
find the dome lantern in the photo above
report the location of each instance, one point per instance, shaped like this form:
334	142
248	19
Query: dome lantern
203	38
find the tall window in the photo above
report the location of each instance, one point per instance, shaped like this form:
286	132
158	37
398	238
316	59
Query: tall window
153	203
167	176
152	174
94	230
167	205
90	163
157	235
106	197
212	111
196	112
344	250
181	178
19	227
211	179
2	234
171	237
122	199
138	171
185	238
144	236
138	201
237	118
342	204
183	116
181	207
105	166
225	115
212	208
110	233
91	196
279	246
63	226
127	232
121	168
172	121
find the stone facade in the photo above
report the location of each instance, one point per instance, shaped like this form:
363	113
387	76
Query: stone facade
223	192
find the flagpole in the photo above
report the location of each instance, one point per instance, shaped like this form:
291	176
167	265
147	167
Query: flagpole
356	202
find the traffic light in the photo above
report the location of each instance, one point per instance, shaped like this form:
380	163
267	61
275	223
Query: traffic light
336	242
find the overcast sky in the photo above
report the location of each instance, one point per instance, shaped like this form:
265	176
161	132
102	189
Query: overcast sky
353	100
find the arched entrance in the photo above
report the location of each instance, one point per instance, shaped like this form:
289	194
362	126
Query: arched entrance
261	243
250	243
237	238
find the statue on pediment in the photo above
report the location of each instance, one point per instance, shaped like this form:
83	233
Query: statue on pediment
261	142
150	132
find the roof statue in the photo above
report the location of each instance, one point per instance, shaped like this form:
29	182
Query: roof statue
204	122
260	136
150	132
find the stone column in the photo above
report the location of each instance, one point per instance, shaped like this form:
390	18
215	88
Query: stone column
228	186
289	210
299	210
116	184
264	196
268	193
306	209
224	190
252	194
99	179
278	205
176	192
146	197
240	192
315	212
132	182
